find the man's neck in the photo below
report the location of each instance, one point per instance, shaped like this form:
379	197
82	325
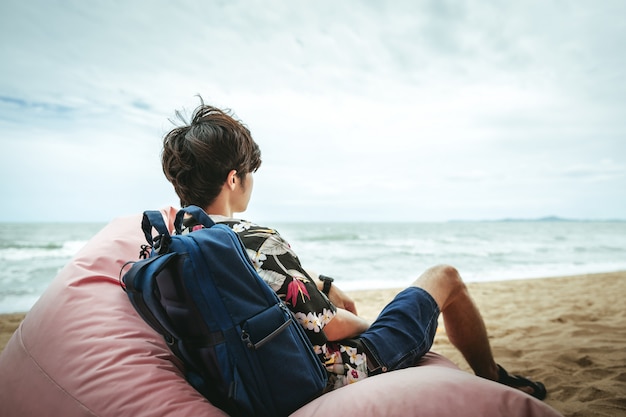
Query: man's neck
220	207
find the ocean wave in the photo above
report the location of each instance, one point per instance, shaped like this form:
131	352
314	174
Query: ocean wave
360	256
30	245
342	237
42	251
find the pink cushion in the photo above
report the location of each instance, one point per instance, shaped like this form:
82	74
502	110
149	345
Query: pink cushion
83	351
436	388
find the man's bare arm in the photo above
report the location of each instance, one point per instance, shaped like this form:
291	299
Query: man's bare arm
345	325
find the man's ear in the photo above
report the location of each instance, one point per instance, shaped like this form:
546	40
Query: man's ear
232	179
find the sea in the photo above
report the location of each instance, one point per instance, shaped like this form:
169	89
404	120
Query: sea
357	255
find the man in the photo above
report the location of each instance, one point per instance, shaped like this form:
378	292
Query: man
211	163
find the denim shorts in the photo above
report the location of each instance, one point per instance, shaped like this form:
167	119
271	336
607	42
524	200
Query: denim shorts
403	333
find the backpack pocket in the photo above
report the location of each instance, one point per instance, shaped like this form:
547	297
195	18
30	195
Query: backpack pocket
290	369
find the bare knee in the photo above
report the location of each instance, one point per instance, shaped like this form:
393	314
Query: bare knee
443	283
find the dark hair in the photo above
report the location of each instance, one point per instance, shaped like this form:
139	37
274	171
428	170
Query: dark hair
198	156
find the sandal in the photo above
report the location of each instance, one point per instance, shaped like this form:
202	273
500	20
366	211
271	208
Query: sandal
516	381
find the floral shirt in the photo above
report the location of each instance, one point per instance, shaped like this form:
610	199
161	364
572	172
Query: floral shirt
280	268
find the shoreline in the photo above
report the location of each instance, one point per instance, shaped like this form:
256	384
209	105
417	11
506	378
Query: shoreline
568	332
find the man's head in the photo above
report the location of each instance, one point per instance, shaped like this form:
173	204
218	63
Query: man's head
198	157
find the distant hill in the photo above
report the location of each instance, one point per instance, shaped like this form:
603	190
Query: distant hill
556	219
541	219
546	219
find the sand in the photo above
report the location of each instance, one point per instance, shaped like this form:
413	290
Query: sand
568	332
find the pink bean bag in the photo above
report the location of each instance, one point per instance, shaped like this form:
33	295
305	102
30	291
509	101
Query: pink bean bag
83	351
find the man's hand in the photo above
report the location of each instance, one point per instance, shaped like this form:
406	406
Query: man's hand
341	299
336	296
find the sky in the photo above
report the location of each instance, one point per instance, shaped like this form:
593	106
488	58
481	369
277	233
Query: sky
364	110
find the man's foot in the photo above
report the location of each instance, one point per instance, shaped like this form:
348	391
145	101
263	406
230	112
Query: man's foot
536	389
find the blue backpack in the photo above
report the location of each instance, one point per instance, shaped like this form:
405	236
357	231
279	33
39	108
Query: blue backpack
241	346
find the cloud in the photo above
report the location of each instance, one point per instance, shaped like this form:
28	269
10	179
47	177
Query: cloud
24	105
435	109
602	171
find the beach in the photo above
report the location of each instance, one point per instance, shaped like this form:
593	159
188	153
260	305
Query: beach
568	332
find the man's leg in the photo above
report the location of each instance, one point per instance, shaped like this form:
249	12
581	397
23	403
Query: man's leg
464	324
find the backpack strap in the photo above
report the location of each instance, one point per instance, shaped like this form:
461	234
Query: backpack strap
197	213
154	219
